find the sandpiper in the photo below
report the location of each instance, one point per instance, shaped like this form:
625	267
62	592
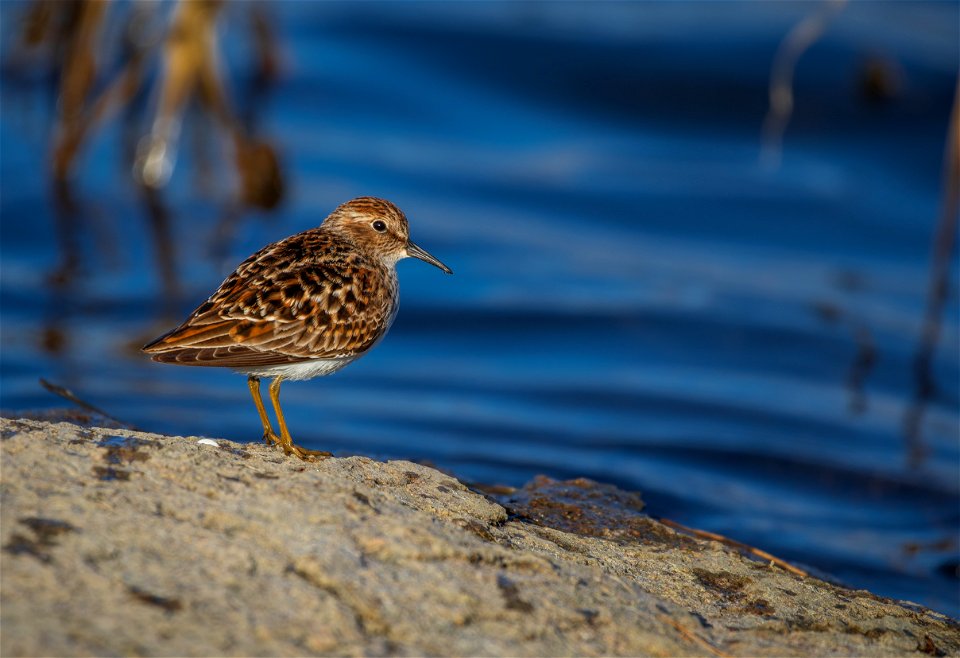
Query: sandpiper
302	307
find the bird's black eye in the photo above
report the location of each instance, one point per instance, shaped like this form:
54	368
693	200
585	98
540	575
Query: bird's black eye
379	226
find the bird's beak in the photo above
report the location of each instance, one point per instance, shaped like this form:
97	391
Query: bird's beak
416	252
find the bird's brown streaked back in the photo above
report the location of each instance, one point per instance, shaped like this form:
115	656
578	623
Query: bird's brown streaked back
313	295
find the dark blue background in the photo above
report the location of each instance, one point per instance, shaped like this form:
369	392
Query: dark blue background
636	299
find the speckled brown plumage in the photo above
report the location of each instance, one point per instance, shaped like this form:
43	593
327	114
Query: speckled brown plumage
303	306
313	295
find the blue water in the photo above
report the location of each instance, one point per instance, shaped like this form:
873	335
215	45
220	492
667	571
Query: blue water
636	299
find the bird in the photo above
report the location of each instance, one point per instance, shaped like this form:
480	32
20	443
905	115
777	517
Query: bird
302	307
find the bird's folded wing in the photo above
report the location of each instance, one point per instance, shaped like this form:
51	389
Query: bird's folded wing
234	343
235	356
281	306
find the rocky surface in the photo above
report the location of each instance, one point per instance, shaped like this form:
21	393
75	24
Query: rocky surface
122	542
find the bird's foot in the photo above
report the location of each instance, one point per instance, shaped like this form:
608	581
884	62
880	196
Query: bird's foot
291	448
306	454
271	439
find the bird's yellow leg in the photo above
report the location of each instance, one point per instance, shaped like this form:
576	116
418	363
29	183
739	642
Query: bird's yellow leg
286	442
268	435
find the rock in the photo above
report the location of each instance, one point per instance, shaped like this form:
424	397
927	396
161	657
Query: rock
123	542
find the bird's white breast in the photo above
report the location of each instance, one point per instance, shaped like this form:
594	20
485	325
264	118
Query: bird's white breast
299	371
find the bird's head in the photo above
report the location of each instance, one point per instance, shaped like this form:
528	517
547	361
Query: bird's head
379	227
